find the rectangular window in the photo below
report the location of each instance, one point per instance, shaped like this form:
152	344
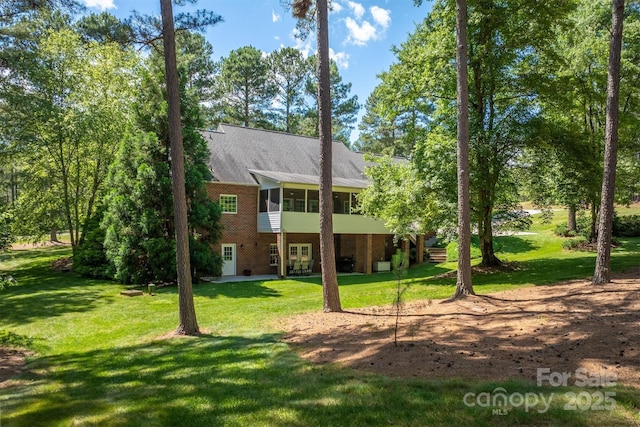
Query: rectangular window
229	203
293	252
227	255
300	252
313	205
296	197
341	203
273	255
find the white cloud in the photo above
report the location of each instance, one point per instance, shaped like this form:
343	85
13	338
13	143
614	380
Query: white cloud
275	17
102	4
360	34
341	58
358	9
381	16
336	7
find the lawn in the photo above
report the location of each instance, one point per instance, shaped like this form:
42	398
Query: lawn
101	359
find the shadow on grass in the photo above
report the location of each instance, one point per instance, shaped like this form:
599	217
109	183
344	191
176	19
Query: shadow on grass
20	305
513	244
43	292
239	381
247	289
218	381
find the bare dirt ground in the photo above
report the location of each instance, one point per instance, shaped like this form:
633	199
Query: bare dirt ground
11	363
505	335
21	246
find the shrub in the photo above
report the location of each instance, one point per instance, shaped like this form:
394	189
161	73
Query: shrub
626	226
562	230
89	258
6	237
6	282
575	243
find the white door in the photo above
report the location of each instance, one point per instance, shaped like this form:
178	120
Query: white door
229	259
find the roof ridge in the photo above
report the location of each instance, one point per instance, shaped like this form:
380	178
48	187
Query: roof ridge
279	132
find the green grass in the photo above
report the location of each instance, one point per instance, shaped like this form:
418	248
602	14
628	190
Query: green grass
100	358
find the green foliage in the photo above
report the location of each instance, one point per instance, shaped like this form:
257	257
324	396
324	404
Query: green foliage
66	103
89	258
344	108
400	264
139	240
626	226
244	89
12	340
289	72
6	235
563	230
137	220
579	242
583	227
397	196
7	281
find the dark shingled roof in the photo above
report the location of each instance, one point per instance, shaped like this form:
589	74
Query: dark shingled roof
237	152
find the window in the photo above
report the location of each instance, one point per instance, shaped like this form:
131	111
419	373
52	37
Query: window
293	252
312	201
273	254
229	203
227	253
341	203
296	200
300	252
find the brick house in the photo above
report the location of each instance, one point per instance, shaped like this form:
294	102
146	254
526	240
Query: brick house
267	184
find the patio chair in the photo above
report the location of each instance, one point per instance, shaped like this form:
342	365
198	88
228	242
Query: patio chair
297	268
304	267
309	268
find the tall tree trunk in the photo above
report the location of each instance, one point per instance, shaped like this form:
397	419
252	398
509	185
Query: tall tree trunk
572	224
464	286
331	294
602	272
53	234
485	230
187	313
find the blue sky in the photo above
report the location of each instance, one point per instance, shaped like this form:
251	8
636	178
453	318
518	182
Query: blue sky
361	32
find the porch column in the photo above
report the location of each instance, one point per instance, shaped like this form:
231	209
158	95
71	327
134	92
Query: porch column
282	253
368	258
420	249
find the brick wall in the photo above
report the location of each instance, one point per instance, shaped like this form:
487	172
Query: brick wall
241	228
253	248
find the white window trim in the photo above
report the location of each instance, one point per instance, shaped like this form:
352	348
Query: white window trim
271	254
222	205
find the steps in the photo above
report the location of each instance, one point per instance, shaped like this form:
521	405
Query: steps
437	255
